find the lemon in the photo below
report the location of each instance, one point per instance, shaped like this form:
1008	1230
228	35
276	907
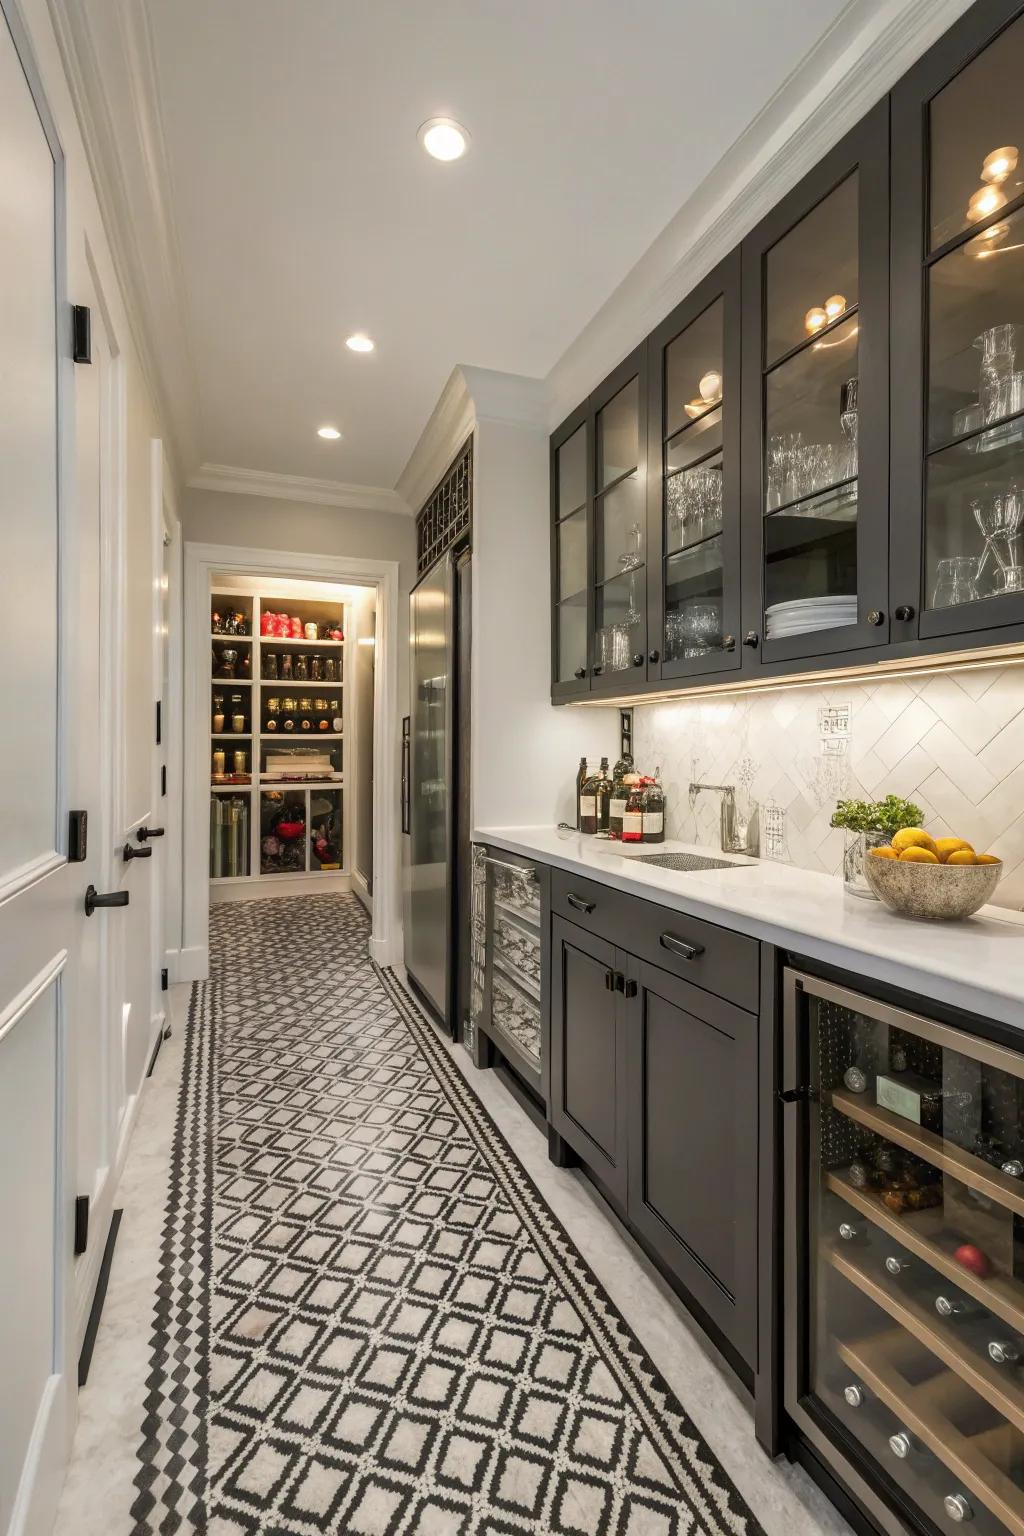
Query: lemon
883	853
917	855
915	837
988	858
948	845
963	856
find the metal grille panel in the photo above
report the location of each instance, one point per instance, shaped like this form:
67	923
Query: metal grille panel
448	511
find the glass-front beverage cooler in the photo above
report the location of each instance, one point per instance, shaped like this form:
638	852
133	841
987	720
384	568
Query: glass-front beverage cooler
508	940
904	1258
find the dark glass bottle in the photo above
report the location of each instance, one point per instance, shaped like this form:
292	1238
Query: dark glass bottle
581	779
617	803
594	797
654	811
604	796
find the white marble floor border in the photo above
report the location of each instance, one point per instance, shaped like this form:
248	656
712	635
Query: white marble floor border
99	1489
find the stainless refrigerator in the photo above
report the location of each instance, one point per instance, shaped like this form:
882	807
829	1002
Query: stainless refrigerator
436	791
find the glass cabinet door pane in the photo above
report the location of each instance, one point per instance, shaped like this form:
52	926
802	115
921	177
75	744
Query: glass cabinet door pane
976	135
619	519
916	1264
618	618
693	601
811	274
810	540
572	472
572	638
693	370
618	435
325	829
572	555
282	831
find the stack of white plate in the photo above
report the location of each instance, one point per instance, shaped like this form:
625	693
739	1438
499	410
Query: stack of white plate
809	613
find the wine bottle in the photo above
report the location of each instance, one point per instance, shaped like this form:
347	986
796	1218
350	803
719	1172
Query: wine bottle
633	815
654	811
604	795
581	779
588	804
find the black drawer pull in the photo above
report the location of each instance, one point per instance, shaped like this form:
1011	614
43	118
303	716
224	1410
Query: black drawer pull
579	904
680	947
609	981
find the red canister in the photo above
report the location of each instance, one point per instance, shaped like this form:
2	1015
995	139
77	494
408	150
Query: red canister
296	628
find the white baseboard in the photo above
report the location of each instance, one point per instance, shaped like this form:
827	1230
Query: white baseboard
278	885
193	964
42	1476
360	889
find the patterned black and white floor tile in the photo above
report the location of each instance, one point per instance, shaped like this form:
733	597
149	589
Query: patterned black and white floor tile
369	1322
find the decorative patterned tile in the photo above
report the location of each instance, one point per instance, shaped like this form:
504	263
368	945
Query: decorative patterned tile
368	1320
954	743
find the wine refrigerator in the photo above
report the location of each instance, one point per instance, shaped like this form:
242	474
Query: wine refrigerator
903	1332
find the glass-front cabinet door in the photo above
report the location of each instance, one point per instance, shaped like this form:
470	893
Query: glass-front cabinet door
816	321
619	633
693	573
570	557
905	1254
959	260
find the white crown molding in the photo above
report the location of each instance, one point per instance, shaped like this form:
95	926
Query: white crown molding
118	111
861	57
471	395
299	488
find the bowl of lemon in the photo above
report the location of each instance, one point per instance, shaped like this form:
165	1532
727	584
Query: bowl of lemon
937	877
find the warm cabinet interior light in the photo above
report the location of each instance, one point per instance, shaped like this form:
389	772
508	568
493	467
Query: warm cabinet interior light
330	433
835	306
985	201
997	165
443	138
814	319
359	343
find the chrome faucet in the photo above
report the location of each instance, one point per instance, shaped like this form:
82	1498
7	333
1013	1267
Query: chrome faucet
737	836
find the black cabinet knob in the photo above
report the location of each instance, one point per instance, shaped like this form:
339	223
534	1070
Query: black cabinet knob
752	638
146	832
653	655
876	617
94	899
580	672
598	670
904	613
638	659
136	853
728	642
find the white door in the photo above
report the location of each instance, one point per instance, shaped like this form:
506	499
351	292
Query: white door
42	917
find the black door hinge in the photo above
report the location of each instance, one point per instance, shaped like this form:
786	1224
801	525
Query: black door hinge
163	979
163	778
78	836
81	333
158	731
81	1224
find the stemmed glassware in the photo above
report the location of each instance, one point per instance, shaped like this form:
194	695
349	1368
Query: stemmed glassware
848	422
1000	517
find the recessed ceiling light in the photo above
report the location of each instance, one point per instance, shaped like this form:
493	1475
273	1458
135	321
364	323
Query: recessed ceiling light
444	138
359	343
331	433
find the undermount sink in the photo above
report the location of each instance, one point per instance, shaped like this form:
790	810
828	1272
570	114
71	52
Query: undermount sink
687	861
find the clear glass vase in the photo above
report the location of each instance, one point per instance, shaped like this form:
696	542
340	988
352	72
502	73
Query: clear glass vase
854	853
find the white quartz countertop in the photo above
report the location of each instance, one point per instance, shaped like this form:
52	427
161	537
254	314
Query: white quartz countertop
977	964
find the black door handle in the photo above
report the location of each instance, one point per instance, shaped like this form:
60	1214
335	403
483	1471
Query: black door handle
136	853
579	904
94	899
751	638
146	832
580	672
904	613
654	656
625	984
680	947
609	981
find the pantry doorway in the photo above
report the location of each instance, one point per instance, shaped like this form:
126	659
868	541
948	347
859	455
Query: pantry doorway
277	773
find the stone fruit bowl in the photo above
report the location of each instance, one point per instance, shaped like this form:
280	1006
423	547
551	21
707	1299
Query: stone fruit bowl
931	890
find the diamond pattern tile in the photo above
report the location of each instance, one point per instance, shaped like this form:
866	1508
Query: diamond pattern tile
368	1321
953	743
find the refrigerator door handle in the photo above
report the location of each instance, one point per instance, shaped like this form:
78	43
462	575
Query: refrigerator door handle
406	771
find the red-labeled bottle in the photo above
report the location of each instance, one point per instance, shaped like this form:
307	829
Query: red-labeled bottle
633	815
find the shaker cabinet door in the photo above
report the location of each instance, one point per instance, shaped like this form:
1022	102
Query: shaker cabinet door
693	1144
587	1104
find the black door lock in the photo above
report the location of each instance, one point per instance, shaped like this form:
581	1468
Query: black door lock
136	853
798	1096
94	899
146	832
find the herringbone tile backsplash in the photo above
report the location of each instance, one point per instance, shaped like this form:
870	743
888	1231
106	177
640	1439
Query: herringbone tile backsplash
954	743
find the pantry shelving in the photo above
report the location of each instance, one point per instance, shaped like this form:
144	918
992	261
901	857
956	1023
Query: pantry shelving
278	774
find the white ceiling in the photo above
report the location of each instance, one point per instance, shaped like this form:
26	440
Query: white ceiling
303	209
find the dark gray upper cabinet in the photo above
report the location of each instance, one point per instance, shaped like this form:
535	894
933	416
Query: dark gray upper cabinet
958	331
816	409
857	491
693	483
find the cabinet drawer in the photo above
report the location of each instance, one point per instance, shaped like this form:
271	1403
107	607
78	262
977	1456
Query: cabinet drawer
711	957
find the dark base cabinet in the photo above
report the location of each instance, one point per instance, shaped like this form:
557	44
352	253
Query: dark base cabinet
654	1088
693	1144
